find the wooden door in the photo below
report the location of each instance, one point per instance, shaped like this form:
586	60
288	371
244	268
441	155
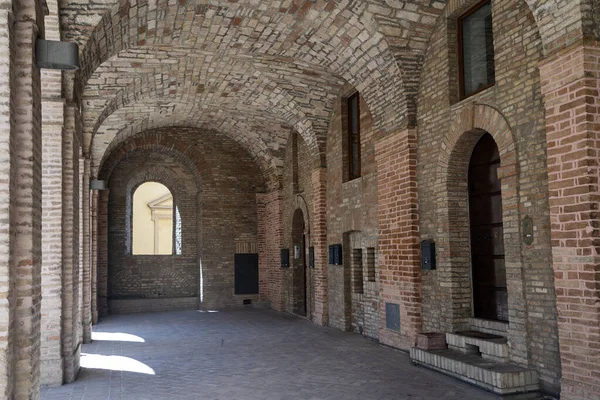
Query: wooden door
305	274
490	297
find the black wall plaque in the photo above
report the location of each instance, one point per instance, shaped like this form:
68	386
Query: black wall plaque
392	316
427	255
285	258
335	254
338	256
311	257
246	273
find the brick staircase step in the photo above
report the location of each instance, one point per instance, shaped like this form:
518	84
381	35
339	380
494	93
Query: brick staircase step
501	378
490	346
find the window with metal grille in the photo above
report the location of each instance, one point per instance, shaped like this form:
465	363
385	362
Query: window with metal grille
353	140
476	50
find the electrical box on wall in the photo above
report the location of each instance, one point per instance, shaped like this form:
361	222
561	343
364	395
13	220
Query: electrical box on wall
285	258
427	255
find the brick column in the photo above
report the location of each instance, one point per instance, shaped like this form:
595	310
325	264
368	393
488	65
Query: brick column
399	256
51	308
270	236
78	243
102	246
70	272
94	257
20	212
318	237
51	362
86	309
571	89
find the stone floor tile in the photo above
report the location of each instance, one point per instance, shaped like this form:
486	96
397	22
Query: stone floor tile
248	354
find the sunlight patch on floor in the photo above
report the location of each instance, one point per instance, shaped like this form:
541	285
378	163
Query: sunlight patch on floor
117	337
114	363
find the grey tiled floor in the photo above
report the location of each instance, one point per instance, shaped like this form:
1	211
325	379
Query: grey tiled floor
245	354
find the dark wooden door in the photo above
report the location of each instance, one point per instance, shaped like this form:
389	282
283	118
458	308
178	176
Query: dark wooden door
490	297
304	273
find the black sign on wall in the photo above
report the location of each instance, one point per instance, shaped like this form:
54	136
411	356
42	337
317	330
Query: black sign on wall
285	258
311	257
335	254
246	274
427	255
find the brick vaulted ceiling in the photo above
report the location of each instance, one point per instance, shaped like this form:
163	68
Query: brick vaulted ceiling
252	70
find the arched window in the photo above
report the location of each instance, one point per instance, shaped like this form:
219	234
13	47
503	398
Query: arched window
153	220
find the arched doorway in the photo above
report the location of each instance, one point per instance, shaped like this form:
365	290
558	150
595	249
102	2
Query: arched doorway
300	305
490	296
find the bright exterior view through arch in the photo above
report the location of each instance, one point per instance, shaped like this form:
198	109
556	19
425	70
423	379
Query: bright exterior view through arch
152	220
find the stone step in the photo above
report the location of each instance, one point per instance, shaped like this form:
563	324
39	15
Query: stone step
501	378
490	346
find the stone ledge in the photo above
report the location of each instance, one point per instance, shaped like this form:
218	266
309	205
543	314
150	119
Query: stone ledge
499	378
489	326
127	306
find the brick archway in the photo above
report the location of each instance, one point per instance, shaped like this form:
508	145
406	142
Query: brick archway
299	265
469	123
151	282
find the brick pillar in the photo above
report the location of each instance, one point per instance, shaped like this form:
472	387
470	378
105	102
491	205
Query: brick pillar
51	362
318	237
86	309
70	272
103	253
6	123
51	309
78	243
571	89
94	257
399	257
20	212
270	236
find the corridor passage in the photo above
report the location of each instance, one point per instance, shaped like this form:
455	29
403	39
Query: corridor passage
245	354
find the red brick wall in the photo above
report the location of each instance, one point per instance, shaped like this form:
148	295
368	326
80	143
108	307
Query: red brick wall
571	86
399	255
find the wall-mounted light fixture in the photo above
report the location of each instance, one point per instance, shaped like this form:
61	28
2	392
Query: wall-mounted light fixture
52	54
97	184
